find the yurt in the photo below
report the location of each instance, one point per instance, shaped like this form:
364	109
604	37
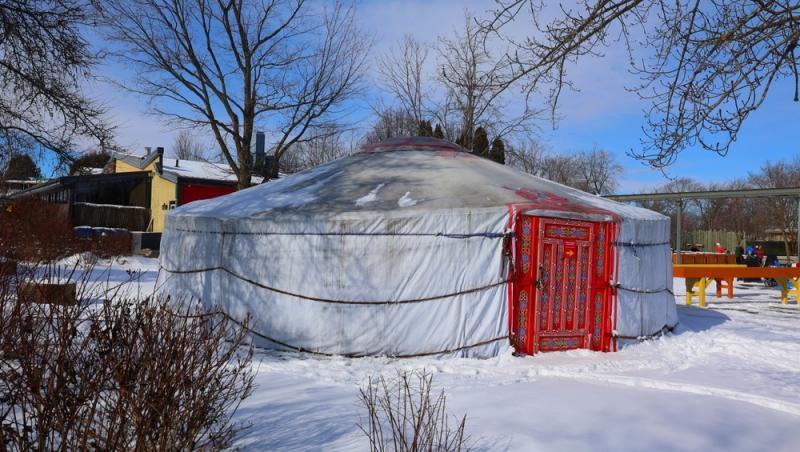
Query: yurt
416	247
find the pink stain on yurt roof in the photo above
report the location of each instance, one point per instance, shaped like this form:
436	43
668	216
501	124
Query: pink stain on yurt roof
413	144
547	200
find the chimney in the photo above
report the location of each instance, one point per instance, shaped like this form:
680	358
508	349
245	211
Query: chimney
160	162
259	155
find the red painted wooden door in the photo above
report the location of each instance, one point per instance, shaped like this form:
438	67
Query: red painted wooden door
560	292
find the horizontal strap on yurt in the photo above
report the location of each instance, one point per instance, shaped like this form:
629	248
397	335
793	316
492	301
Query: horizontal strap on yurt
491	235
348	355
644	290
221	313
631	244
328	300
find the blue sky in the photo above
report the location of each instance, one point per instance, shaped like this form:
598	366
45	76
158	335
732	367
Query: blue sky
768	135
602	113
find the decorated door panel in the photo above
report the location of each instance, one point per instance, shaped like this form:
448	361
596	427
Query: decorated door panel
560	291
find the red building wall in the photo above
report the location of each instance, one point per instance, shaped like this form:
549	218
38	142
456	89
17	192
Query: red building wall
194	192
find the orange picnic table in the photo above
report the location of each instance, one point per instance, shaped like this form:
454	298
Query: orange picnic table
698	276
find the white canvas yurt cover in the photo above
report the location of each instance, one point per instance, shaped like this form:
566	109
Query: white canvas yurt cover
416	247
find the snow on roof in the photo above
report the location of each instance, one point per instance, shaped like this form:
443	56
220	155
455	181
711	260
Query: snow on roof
198	170
173	168
202	170
25	181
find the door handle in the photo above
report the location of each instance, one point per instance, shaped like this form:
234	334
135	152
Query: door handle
538	282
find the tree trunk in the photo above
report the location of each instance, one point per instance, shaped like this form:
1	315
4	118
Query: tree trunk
786	244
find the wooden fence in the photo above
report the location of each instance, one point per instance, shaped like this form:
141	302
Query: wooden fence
709	239
729	240
110	216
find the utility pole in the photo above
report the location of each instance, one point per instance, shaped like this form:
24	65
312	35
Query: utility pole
678	228
797	241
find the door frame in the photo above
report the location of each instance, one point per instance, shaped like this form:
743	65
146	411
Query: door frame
523	293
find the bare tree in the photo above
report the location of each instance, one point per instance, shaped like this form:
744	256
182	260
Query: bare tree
232	64
325	144
597	171
390	123
444	112
43	61
527	156
559	168
402	72
738	214
474	82
748	217
781	212
187	147
690	220
713	63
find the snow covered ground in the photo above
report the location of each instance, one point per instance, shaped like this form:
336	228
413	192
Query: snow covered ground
727	379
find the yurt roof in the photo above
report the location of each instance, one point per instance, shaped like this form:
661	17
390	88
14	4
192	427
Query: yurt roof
407	174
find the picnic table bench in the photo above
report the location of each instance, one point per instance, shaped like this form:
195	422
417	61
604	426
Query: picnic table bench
698	276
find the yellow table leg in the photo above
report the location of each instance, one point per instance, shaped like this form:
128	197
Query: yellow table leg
691	283
702	291
796	290
784	290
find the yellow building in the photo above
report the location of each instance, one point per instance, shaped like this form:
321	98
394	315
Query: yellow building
174	182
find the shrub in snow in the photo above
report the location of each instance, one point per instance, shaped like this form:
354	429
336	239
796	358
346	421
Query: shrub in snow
114	373
33	230
404	415
36	231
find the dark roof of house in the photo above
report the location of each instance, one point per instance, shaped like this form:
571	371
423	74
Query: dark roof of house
89	181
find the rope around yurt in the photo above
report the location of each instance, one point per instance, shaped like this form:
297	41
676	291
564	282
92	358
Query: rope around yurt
333	301
225	315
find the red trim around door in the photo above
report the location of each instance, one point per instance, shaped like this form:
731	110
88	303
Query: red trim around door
560	297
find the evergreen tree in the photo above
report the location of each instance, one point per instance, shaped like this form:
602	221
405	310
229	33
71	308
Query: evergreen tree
21	167
437	132
498	152
425	129
464	140
89	161
480	144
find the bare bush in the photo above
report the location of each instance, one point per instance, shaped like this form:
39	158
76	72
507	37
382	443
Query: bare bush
116	374
403	414
33	231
